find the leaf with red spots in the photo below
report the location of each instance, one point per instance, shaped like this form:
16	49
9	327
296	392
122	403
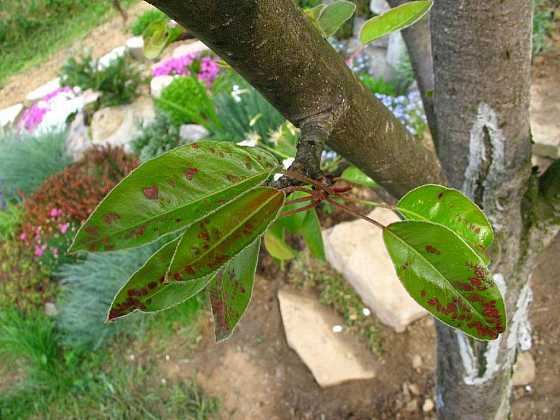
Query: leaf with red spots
231	289
444	275
452	209
146	290
210	243
172	191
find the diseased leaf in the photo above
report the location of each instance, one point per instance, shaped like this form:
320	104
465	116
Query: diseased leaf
210	243
276	245
396	19
172	191
147	291
355	176
450	208
444	275
231	290
334	15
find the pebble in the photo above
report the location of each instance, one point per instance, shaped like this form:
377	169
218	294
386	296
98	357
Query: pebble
428	405
414	389
416	361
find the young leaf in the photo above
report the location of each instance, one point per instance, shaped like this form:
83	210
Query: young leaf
231	290
444	275
452	209
157	36
170	192
355	176
146	290
398	18
210	243
311	232
276	245
334	15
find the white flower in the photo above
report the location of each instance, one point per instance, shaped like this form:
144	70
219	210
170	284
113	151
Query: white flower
366	312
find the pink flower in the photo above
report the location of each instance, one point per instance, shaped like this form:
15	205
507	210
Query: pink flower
40	250
55	213
23	237
63	228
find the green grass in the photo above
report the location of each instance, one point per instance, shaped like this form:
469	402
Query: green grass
32	30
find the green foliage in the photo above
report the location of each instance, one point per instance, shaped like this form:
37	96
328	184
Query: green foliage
439	255
24	284
10	218
158	35
355	176
542	24
336	293
405	71
156	138
242	111
146	19
378	85
185	101
329	18
395	19
119	82
27	160
32	30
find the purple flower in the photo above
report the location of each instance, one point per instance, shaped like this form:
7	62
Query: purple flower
40	250
34	115
182	66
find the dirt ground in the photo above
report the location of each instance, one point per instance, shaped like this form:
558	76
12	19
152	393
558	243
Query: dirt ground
99	42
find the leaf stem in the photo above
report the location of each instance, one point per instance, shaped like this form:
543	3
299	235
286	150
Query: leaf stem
354	213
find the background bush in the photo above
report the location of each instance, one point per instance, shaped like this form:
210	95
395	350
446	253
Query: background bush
156	138
146	19
26	160
185	101
119	82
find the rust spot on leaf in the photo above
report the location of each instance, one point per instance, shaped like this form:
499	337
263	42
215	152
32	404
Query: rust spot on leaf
110	218
190	173
432	250
151	193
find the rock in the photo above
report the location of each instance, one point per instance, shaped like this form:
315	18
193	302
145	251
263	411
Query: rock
332	358
111	56
60	108
78	140
191	133
524	370
414	389
135	47
428	405
118	126
158	84
51	309
43	90
189	48
548	151
378	66
416	361
356	249
8	116
379	6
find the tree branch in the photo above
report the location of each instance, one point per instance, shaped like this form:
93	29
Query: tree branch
272	45
418	41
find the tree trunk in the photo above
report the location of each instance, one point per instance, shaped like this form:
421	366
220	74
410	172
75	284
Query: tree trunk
482	56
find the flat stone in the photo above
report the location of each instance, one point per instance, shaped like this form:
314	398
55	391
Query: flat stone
43	90
192	47
158	84
8	116
356	250
118	126
111	56
332	358
191	133
524	370
135	47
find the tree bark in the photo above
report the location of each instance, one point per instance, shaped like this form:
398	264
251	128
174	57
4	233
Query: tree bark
272	45
482	56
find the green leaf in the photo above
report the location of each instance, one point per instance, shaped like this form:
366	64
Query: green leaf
147	291
355	176
311	232
231	290
444	275
276	245
452	209
315	12
157	36
172	191
398	18
334	15
210	243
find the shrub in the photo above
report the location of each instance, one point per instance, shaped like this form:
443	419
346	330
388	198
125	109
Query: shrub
242	111
27	160
542	24
23	282
119	82
146	19
156	138
10	218
380	86
185	101
67	198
